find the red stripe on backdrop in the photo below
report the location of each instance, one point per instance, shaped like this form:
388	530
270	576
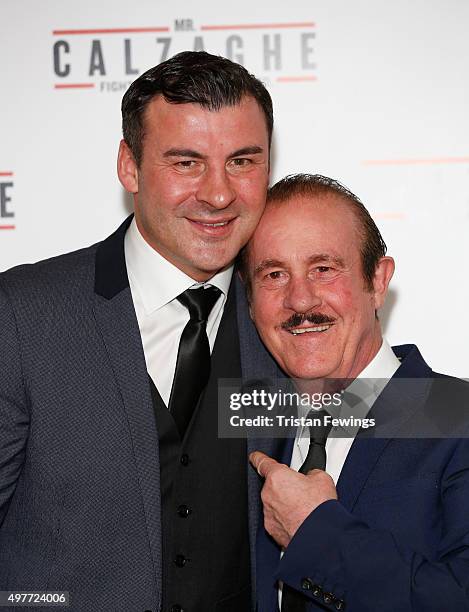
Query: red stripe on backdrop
416	161
74	86
6	173
259	26
7	227
110	31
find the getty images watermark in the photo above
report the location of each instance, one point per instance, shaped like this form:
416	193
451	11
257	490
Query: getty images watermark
276	402
381	408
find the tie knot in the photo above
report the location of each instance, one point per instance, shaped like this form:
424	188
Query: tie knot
199	302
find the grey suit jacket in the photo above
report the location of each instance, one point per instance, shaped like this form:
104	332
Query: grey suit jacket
79	469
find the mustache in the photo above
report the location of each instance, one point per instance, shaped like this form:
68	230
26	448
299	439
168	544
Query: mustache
316	318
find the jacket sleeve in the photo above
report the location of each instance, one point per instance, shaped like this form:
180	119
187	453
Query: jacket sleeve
342	563
14	417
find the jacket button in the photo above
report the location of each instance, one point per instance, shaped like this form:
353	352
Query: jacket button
317	590
184	511
176	608
306	584
180	560
339	604
328	598
184	459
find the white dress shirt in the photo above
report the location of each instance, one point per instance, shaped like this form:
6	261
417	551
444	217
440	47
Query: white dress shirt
155	284
381	368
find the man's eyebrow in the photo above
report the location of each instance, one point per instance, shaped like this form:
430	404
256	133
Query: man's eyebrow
247	151
183	153
326	258
267	263
314	259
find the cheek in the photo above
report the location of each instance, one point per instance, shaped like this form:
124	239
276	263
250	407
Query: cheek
262	308
252	192
346	299
172	198
167	192
265	310
358	312
340	297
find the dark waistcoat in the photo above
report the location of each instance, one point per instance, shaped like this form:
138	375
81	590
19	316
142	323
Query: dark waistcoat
206	563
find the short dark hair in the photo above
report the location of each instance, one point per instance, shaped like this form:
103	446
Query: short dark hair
372	246
190	77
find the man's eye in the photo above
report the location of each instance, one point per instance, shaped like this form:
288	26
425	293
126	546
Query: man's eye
323	269
276	274
186	163
240	162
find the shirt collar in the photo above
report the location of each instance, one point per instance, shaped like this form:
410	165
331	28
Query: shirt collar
368	385
383	365
147	269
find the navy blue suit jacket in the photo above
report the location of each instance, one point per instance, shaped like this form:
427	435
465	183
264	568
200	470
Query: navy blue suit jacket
397	538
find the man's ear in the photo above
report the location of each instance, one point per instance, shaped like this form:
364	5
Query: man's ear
383	274
127	170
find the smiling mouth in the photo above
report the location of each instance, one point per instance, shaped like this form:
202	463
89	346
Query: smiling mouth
221	224
308	330
220	229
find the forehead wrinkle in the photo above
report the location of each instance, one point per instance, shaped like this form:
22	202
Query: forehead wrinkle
267	263
325	257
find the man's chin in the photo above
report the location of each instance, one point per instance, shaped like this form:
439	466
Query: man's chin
202	271
312	372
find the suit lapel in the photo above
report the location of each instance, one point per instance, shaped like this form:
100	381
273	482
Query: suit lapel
257	364
401	397
117	323
360	462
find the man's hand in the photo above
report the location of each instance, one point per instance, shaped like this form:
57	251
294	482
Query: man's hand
289	497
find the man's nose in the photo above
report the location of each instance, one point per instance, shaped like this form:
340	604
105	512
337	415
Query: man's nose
301	295
215	188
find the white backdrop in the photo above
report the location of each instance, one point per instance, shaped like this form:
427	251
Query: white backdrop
371	92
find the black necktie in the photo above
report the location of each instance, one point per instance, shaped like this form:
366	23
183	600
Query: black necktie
316	457
292	600
193	360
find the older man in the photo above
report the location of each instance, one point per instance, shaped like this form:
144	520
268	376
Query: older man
368	524
114	485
